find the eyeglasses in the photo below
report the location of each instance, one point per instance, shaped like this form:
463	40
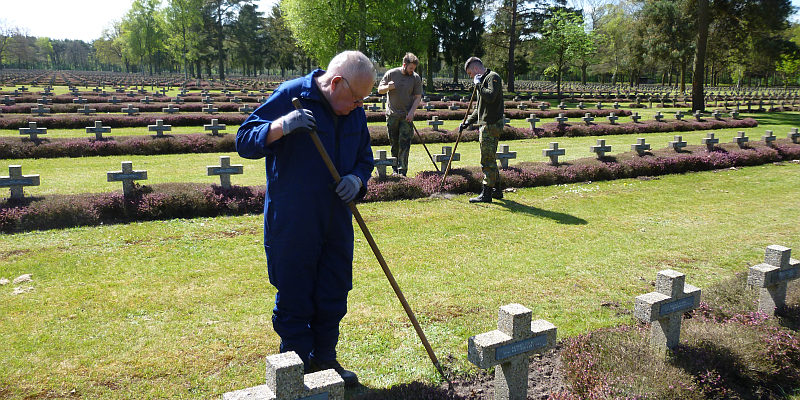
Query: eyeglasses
359	100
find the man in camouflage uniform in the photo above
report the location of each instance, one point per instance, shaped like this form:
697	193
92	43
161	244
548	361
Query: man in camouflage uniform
489	113
405	92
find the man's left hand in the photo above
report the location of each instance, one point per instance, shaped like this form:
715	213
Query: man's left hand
348	187
477	79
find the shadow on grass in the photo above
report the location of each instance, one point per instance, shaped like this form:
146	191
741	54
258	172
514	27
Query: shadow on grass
778	118
561	218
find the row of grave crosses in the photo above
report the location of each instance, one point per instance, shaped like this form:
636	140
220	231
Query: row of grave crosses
33	130
130	110
128	176
509	348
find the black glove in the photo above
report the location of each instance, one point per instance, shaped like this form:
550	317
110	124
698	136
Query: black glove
301	120
463	126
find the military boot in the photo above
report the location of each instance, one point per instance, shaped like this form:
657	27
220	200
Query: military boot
497	192
484	197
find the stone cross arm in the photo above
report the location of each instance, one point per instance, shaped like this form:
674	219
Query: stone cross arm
493	348
654	306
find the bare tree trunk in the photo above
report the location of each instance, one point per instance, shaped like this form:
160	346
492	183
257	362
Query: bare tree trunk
512	45
698	99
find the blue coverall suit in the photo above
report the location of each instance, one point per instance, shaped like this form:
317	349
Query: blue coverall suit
308	229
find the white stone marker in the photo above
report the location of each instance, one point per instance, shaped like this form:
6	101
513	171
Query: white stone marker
510	347
772	278
664	308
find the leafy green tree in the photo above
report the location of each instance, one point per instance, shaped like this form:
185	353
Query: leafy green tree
282	50
460	31
564	41
249	36
790	67
617	32
324	28
223	14
669	30
184	21
45	50
143	32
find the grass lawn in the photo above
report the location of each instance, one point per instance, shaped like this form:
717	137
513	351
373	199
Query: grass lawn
181	308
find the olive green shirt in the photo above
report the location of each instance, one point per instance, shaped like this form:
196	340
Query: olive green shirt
490	100
406	88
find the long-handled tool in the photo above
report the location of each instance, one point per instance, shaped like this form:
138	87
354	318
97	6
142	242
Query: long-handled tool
446	170
423	145
374	246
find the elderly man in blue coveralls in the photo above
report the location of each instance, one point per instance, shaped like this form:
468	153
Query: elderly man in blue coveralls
308	229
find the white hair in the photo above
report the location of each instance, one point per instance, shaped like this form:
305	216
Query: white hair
353	64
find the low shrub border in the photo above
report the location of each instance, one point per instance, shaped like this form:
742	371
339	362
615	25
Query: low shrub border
188	200
13	147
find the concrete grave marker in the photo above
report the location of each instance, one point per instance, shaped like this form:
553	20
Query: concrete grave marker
246	109
7	100
159	128
793	135
678	115
678	144
210	109
444	158
79	100
225	170
544	106
214	127
561	119
382	161
114	100
601	148
587	118
635	117
453	107
769	138
170	109
735	114
40	110
510	347
533	119
127	176
553	152
504	155
130	110
698	114
612	119
16	181
33	131
664	308
658	117
641	146
709	141
717	115
98	129
772	277
146	100
286	381
86	110
741	139
435	123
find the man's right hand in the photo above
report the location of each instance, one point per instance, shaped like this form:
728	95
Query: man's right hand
463	126
301	120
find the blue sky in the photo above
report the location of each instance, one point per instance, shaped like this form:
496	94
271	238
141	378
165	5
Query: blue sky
63	19
85	19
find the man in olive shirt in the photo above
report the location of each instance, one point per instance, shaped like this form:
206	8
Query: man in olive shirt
489	113
405	92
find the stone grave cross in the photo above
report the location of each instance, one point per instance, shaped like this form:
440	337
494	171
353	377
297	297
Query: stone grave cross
16	181
601	148
127	176
444	158
772	277
225	170
286	381
98	129
435	123
709	141
33	131
533	119
510	347
214	127
553	152
382	161
504	155
159	128
664	308
793	135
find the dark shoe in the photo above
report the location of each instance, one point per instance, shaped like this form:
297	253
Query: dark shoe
497	192
484	197
349	377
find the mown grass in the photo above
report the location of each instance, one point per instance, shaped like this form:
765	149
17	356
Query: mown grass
181	308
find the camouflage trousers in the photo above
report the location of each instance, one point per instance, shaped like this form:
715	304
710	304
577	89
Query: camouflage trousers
490	135
400	134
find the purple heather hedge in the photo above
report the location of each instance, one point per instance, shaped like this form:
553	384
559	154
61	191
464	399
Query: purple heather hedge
188	200
13	147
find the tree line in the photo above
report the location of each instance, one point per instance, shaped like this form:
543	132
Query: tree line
750	42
